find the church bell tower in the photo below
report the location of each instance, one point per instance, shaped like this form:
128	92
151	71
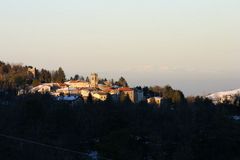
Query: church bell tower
94	80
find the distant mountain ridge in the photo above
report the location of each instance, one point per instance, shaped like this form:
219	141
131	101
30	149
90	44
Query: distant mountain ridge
220	97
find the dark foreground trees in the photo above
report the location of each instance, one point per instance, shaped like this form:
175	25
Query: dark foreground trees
198	130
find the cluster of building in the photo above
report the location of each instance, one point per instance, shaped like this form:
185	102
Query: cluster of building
73	89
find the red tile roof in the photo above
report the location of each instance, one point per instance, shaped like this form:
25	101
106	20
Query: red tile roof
62	84
108	89
125	89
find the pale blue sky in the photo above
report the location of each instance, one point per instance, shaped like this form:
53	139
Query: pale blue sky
192	45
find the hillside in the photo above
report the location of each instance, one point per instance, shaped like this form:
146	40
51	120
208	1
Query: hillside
230	95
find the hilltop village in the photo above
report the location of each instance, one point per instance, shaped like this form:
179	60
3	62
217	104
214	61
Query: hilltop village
72	90
22	80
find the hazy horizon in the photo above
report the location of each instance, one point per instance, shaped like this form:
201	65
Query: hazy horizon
190	45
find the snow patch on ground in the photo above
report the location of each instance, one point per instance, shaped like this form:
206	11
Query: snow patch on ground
236	118
67	98
93	155
226	95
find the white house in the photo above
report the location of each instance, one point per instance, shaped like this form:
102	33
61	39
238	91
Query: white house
78	84
45	87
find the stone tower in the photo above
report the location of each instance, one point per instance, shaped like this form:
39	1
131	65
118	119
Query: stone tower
32	71
94	80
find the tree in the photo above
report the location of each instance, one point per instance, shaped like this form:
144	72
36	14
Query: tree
124	98
112	81
236	100
87	79
146	92
76	77
122	82
81	98
58	76
19	80
138	88
109	99
45	76
127	99
61	75
121	97
178	98
81	78
89	99
157	91
4	69
36	82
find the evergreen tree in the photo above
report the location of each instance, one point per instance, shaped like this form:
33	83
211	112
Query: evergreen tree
127	99
81	78
89	99
87	79
124	98
36	82
61	75
121	97
58	76
76	77
112	82
45	76
81	98
178	98
109	99
122	82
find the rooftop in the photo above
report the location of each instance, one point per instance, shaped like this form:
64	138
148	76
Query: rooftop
124	89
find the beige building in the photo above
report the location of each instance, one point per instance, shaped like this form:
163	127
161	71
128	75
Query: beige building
45	88
155	100
85	92
136	96
78	84
68	91
84	84
129	92
99	96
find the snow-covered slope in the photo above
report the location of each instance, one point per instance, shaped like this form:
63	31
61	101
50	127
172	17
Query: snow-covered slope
226	95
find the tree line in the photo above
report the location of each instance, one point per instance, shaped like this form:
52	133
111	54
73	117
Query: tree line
17	75
194	130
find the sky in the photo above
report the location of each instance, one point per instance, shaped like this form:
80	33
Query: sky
191	45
